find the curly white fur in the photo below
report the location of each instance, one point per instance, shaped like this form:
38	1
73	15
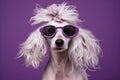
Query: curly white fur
34	49
82	52
60	12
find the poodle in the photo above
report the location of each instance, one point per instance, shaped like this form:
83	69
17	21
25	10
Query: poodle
72	49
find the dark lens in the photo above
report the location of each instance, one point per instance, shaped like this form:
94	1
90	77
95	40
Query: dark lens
49	30
69	30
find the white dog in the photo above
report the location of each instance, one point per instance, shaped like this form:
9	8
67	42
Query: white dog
72	49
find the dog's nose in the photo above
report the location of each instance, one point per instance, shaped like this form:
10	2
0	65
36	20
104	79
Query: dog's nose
59	42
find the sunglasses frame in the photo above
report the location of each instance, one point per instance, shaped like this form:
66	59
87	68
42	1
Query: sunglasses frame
76	31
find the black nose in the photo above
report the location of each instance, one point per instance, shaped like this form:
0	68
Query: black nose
59	42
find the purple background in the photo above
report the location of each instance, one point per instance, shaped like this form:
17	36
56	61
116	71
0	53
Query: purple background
102	17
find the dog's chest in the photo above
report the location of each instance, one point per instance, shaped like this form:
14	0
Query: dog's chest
59	75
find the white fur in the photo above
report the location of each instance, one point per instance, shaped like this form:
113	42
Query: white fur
77	54
84	50
60	12
34	49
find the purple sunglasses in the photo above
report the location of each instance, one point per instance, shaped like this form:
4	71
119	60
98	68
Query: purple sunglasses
68	31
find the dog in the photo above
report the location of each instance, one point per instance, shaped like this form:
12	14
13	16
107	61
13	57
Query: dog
73	50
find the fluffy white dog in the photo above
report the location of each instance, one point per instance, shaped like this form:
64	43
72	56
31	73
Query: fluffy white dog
72	49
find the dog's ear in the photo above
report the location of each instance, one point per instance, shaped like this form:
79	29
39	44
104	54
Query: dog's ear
84	50
33	49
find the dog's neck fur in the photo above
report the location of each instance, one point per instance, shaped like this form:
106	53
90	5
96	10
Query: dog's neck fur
59	60
60	67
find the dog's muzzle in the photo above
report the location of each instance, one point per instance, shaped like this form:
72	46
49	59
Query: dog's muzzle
59	42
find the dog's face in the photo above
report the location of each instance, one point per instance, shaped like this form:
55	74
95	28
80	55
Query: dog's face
61	36
59	42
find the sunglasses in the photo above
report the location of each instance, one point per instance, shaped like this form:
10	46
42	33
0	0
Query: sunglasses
50	31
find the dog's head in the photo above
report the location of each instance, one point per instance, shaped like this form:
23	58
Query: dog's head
61	32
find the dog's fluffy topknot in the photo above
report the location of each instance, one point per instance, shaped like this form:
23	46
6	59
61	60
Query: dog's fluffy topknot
56	12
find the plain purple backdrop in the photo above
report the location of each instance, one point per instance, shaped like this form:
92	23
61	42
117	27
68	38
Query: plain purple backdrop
102	17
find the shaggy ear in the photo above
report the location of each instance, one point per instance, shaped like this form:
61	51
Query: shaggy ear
33	49
84	50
